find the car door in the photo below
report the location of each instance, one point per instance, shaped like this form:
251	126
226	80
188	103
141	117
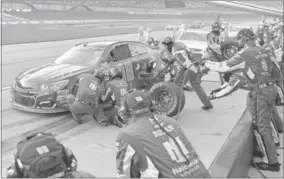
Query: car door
137	64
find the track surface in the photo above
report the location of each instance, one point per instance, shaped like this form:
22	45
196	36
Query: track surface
50	31
93	145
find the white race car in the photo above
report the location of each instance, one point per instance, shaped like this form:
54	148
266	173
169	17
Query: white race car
196	40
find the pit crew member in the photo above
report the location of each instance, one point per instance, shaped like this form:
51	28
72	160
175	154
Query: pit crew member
153	145
116	88
262	73
214	45
166	46
32	161
193	74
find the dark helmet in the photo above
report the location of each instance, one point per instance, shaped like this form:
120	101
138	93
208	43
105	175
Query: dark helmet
168	40
246	34
99	74
216	26
137	102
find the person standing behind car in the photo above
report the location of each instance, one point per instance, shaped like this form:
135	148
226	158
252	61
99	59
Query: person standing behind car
84	99
153	146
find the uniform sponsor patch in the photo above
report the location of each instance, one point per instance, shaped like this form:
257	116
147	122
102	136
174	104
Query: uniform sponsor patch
139	98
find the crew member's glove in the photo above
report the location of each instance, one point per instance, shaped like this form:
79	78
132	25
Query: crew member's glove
227	76
212	96
215	91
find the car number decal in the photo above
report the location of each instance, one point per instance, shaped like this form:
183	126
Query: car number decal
129	71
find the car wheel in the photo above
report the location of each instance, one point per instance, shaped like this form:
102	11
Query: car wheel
229	48
168	97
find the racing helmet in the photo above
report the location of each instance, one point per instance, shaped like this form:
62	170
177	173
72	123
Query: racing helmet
216	26
168	42
99	75
137	102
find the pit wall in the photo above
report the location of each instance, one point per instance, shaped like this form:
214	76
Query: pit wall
234	159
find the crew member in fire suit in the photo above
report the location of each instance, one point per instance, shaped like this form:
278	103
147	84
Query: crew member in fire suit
261	72
116	88
85	99
193	76
166	46
152	145
214	41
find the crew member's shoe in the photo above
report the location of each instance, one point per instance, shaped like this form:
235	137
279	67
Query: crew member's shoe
280	131
207	107
269	167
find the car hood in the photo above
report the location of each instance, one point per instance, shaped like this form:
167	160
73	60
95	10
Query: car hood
195	44
49	73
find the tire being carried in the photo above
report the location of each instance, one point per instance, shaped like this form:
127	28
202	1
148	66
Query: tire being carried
169	98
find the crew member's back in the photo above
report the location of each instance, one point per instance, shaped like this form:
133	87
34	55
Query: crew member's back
156	154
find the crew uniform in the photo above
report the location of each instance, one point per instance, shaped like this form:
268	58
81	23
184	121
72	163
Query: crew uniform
214	40
85	97
193	73
154	145
116	88
236	81
259	69
167	56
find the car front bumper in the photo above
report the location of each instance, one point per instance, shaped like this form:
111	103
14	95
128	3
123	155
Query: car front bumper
39	102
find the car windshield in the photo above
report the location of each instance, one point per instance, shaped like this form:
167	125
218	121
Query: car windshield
85	55
193	36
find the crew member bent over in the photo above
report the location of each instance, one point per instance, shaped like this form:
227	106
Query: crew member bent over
153	145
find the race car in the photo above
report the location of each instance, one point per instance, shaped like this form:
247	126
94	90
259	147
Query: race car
196	40
44	89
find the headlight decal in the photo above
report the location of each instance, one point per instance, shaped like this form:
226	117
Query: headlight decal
54	86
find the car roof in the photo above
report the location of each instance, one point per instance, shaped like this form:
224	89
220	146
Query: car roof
102	43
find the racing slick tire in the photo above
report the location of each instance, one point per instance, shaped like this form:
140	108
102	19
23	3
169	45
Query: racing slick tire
169	98
229	48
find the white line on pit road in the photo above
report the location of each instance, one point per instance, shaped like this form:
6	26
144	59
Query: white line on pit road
6	88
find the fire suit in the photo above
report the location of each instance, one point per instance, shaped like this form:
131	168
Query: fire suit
237	81
193	75
116	89
261	72
214	40
86	99
155	146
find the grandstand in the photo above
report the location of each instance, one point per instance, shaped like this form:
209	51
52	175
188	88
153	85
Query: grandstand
182	5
